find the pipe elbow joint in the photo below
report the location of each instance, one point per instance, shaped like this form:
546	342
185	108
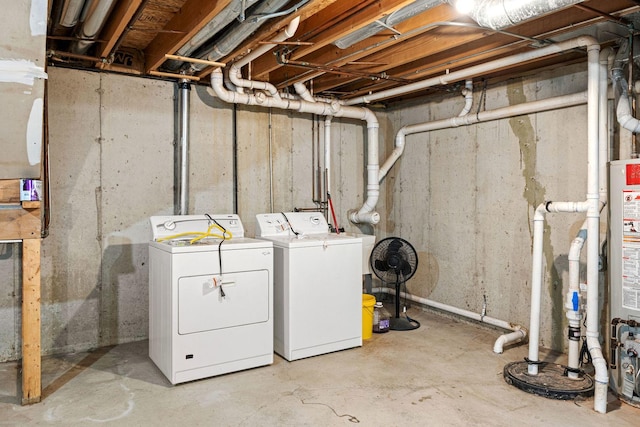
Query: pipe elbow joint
364	218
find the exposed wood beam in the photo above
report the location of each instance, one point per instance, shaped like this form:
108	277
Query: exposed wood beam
331	55
194	15
268	31
116	25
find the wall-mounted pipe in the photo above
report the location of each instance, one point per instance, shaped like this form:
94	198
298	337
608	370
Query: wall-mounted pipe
484	116
518	333
498	14
474	71
367	213
182	150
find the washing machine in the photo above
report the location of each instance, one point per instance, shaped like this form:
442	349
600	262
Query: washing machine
210	299
317	284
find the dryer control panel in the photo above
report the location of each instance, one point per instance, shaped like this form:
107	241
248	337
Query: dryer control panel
291	224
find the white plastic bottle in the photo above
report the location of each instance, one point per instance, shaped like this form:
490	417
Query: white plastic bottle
381	318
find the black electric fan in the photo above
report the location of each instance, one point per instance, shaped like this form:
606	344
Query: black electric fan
394	260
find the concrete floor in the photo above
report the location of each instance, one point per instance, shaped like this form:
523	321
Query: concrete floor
444	373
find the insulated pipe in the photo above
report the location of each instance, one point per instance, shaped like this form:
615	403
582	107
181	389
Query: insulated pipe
92	26
518	333
484	116
366	214
476	70
498	14
183	148
235	76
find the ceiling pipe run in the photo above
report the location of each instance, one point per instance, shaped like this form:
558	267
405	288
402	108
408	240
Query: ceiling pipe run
236	34
471	72
366	214
233	11
498	14
235	75
92	25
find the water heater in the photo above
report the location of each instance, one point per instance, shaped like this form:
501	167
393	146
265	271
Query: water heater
624	279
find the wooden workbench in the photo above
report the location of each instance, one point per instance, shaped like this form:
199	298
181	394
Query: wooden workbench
21	221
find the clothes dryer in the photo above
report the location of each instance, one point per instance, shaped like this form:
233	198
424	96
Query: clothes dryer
210	299
317	284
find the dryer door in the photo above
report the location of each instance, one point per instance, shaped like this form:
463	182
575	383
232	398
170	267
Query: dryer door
201	306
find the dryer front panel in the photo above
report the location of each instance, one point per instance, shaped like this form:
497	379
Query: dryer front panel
205	305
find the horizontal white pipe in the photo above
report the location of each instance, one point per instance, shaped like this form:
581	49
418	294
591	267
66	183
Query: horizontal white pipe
484	116
507	339
518	331
367	213
476	70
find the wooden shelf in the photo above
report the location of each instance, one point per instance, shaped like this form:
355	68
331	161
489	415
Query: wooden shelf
22	221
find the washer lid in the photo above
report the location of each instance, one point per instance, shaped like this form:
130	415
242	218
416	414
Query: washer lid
304	241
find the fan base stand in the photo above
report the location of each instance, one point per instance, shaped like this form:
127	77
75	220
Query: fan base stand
401	324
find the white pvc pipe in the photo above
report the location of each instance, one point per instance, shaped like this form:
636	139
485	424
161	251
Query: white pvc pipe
593	230
366	214
572	302
467	92
518	333
484	116
235	76
476	70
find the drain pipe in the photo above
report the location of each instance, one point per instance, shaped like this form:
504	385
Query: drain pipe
476	70
467	92
183	148
484	116
366	214
518	333
573	303
235	75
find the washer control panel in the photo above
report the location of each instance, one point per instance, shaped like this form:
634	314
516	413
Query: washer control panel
290	224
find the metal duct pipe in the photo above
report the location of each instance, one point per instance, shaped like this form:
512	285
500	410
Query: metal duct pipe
71	12
233	10
91	26
236	34
400	15
182	150
498	14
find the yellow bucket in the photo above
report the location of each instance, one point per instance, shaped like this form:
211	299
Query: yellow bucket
368	301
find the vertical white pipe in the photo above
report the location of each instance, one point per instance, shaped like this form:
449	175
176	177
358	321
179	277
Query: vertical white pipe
572	302
536	289
593	231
